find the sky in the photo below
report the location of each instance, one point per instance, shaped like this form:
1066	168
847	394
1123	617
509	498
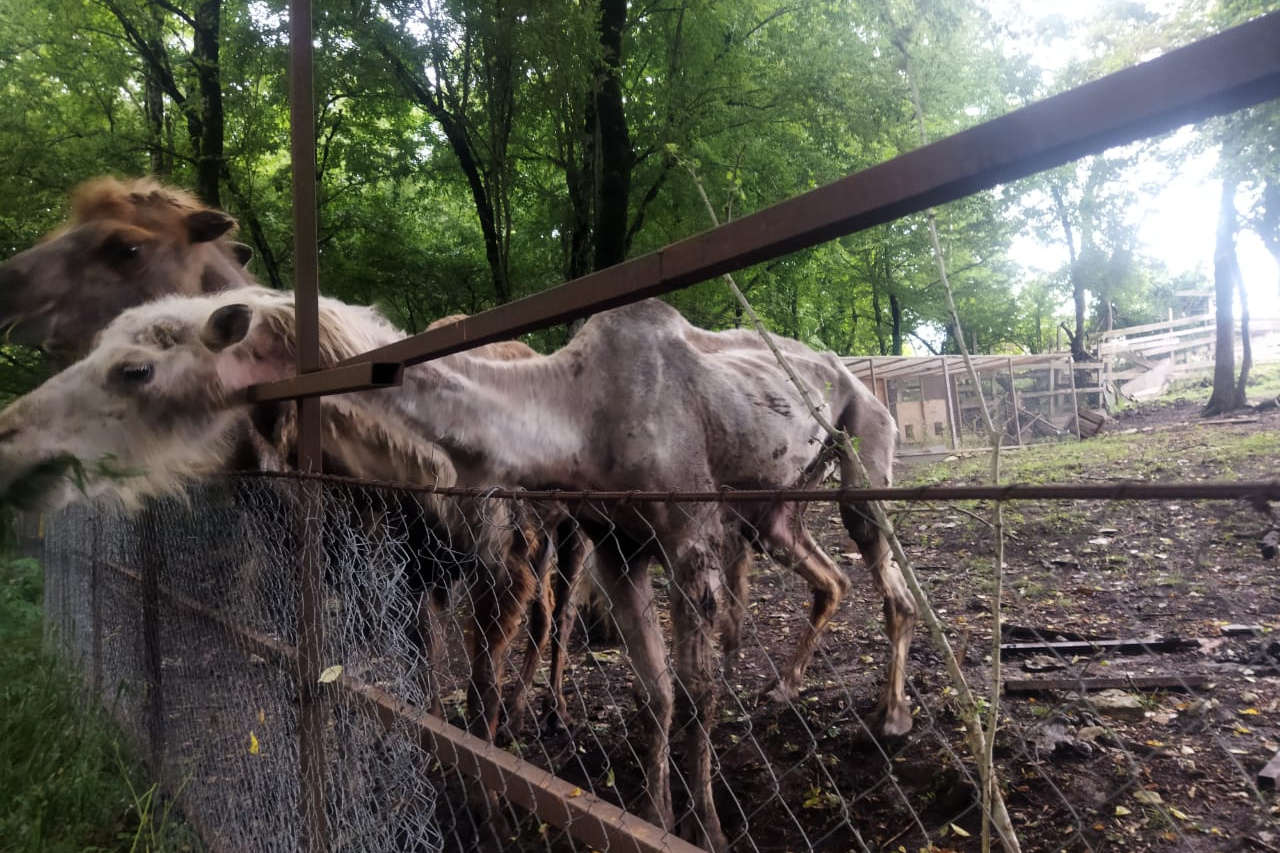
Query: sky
1176	226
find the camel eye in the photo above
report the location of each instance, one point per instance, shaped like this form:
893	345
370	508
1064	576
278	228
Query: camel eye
121	252
137	374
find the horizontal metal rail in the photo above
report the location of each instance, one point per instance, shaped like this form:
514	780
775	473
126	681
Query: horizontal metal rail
1214	76
362	376
586	817
1123	490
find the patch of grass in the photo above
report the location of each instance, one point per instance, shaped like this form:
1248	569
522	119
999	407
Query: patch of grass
1155	455
66	780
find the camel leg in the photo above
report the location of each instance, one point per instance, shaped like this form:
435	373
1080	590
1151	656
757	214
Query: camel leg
500	598
696	581
630	590
899	614
540	630
570	557
737	569
827	584
431	606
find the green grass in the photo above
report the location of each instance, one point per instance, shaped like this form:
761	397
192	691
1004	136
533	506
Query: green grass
1163	455
67	782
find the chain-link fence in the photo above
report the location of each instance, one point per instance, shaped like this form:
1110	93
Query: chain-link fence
1130	720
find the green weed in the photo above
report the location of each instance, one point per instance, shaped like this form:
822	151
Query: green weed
67	782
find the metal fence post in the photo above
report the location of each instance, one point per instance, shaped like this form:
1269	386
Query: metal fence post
311	752
96	616
151	552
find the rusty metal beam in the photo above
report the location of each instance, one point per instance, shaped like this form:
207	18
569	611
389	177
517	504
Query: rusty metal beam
362	376
1254	491
1217	75
599	824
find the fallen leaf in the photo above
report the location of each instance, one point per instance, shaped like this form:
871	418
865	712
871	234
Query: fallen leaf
254	748
330	674
1147	798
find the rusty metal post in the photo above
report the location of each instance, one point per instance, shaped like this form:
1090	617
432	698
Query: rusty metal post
95	611
311	717
151	555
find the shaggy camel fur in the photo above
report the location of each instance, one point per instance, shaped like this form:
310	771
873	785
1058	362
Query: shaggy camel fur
127	242
166	379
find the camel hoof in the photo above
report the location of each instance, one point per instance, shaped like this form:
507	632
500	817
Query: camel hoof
551	725
697	833
896	723
777	693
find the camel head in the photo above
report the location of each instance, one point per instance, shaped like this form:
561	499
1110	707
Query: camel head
126	243
150	408
153	405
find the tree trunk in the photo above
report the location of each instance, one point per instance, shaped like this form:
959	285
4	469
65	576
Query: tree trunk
895	319
159	155
1270	222
1226	273
615	155
1078	351
207	36
1246	345
455	128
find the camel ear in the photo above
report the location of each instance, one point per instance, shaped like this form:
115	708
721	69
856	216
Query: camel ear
227	326
242	253
206	225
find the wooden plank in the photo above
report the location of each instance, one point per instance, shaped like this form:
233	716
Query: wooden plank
1093	647
1162	326
1136	682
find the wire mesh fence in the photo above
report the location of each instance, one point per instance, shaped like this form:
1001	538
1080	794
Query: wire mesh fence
1129	719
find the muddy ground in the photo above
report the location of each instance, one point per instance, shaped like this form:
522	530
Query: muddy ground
1171	767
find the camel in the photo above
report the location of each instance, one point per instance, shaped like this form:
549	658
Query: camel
639	400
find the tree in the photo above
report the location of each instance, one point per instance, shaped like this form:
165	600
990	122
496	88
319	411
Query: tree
1228	394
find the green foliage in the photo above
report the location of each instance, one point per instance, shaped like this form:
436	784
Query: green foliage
476	187
67	782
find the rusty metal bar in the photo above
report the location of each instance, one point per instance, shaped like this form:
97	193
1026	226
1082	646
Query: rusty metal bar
153	564
582	814
311	700
1217	75
340	380
1125	490
599	824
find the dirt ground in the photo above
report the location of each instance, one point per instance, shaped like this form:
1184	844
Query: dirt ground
1173	767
